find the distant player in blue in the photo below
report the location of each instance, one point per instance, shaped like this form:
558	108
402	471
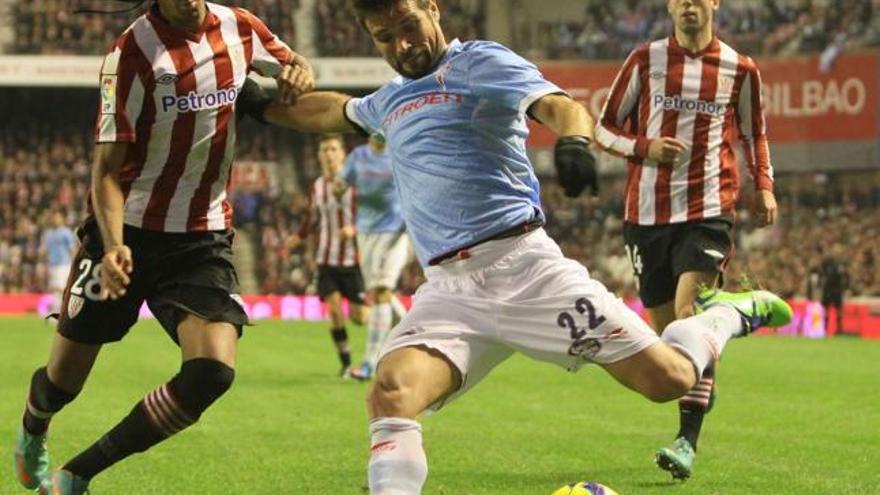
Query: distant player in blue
383	244
455	122
57	246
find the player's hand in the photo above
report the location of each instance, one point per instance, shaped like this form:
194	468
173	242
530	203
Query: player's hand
294	80
575	165
339	187
252	101
347	232
764	208
292	242
666	150
116	265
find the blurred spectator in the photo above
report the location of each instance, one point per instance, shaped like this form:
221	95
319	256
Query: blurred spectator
50	27
338	36
611	30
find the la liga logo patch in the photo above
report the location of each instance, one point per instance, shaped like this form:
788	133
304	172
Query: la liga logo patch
108	94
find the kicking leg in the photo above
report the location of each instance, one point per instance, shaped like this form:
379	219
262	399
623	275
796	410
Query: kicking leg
207	372
52	387
408	380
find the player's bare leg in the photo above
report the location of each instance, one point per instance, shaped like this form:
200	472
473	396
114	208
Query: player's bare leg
408	380
679	457
52	387
206	373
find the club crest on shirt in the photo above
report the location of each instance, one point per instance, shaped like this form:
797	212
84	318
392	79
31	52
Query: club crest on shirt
167	79
440	75
74	305
725	82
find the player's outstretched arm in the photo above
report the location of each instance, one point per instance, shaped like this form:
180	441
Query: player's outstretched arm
320	111
108	201
575	163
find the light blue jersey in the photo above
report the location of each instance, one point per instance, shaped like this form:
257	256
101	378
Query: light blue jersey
378	204
458	143
58	243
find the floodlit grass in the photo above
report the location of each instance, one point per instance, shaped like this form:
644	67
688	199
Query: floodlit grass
793	417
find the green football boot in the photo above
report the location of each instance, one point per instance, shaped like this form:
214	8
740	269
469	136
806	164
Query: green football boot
67	483
31	459
757	308
678	459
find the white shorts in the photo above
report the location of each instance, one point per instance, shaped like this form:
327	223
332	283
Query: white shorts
519	294
58	277
383	256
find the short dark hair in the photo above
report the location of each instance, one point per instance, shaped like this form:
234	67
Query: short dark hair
332	137
363	8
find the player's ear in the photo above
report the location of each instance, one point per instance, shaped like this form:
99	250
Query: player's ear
433	10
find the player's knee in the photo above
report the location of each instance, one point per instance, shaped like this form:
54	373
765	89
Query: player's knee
390	396
383	295
200	383
670	381
684	310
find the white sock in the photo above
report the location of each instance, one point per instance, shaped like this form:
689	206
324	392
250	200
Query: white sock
399	308
377	330
397	460
701	338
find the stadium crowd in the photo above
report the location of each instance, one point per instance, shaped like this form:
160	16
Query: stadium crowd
49	27
338	36
610	30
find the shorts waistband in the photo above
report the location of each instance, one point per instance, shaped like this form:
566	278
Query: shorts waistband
463	253
483	254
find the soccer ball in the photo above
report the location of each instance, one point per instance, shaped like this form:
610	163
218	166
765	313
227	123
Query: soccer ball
585	488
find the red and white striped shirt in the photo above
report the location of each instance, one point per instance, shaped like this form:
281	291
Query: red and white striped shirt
702	99
329	214
172	95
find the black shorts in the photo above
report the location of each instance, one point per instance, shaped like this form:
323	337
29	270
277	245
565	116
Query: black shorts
661	253
832	299
347	280
174	273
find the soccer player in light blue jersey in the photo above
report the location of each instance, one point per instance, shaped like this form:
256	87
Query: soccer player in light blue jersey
455	122
384	246
57	245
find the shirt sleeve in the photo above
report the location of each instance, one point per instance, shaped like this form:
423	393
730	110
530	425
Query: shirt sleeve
620	107
306	228
122	92
503	77
349	172
365	113
753	128
267	52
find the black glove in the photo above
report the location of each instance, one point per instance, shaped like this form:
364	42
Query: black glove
575	165
252	101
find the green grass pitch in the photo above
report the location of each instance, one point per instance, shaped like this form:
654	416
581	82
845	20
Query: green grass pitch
794	416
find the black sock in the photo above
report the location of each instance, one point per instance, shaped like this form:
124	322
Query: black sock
162	413
133	434
44	399
340	338
693	407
